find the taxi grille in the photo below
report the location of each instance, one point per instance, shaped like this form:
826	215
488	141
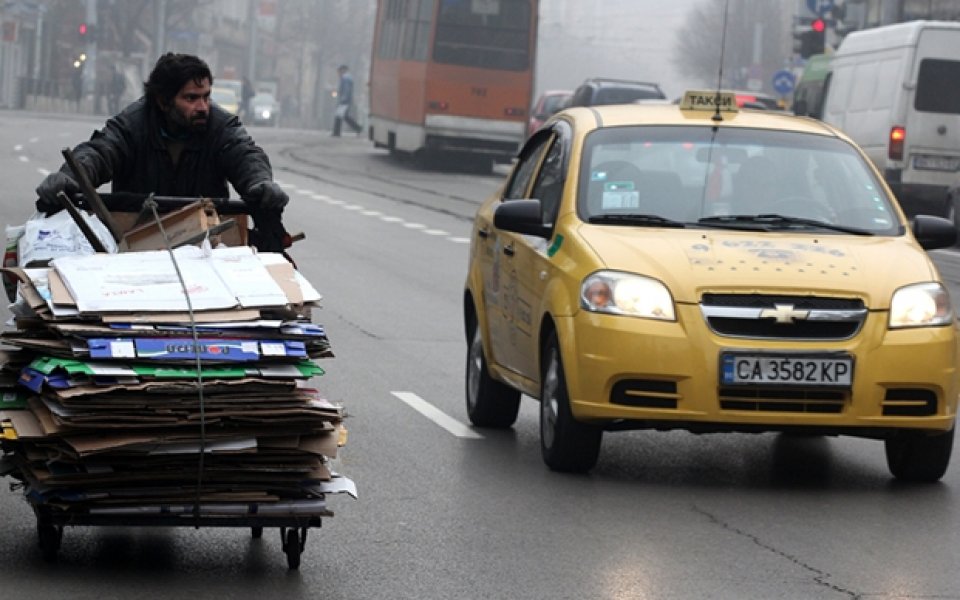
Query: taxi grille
761	316
781	400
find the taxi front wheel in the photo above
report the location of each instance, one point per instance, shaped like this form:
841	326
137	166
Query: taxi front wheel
489	402
918	456
567	444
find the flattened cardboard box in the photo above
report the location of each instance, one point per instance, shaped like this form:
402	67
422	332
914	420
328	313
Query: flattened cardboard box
179	225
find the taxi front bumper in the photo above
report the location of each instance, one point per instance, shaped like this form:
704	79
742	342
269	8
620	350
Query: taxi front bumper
628	373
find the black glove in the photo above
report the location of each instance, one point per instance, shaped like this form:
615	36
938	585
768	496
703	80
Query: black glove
53	184
268	195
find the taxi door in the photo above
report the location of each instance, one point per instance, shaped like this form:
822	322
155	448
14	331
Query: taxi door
497	268
529	262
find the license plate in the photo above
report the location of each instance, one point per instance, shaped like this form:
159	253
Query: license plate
781	369
932	162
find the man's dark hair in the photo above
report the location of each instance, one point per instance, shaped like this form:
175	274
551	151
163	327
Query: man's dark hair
171	73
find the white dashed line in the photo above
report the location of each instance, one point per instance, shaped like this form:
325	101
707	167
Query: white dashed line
23	158
18	148
43	172
376	213
437	416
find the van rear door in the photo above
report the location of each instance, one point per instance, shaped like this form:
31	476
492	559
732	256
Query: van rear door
932	149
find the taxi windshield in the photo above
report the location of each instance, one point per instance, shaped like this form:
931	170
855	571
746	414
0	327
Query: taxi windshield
701	176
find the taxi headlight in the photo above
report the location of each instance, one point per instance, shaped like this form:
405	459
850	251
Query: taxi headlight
920	305
626	294
265	113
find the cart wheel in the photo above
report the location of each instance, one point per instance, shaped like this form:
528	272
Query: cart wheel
256	532
49	537
293	544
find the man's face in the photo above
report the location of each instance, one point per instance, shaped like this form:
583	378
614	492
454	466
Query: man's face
190	108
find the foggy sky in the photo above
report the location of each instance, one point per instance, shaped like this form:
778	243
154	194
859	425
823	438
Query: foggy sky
627	39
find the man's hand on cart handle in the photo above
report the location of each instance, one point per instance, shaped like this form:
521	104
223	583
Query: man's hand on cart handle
267	195
50	187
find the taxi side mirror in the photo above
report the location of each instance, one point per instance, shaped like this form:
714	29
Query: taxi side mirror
934	232
521	216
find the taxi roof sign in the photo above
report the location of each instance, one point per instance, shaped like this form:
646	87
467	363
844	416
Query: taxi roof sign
709	101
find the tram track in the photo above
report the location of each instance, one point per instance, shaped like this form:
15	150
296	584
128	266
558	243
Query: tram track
333	172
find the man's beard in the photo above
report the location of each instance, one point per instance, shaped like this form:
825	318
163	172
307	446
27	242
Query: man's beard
183	124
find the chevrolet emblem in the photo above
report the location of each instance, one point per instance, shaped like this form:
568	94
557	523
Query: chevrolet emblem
784	313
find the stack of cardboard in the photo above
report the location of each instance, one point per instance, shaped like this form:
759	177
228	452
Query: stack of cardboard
125	395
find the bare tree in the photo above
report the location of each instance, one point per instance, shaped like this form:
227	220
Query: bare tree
757	41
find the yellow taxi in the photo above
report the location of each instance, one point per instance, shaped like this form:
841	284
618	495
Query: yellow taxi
709	268
226	98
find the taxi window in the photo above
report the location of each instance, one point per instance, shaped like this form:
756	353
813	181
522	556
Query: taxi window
548	187
526	165
685	173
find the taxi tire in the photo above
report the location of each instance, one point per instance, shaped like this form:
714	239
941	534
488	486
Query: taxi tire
918	456
567	445
490	403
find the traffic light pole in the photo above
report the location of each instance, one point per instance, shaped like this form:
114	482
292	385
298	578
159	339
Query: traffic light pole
90	65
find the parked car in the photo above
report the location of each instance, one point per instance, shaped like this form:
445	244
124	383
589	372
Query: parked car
226	98
756	100
660	266
546	105
599	91
264	109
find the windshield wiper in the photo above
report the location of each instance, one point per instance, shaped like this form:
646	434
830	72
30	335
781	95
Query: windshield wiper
770	219
635	219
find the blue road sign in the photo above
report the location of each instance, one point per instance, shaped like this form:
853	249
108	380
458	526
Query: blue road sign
784	81
820	7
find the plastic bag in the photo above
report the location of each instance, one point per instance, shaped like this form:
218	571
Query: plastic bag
45	238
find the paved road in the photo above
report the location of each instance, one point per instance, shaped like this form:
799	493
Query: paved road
449	512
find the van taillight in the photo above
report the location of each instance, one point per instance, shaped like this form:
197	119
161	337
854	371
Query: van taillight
897	136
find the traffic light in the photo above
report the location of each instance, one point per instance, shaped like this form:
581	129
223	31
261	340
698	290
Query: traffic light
86	32
813	40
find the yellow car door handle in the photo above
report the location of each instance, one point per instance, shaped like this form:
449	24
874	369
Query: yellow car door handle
508	250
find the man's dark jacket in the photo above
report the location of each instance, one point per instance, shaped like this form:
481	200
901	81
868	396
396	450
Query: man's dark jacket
130	152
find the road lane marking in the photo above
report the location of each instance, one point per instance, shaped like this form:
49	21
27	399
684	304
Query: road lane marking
375	213
437	416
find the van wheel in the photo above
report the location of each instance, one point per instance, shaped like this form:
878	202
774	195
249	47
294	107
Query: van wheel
490	403
919	456
566	444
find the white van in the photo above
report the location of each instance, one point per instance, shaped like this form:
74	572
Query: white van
896	91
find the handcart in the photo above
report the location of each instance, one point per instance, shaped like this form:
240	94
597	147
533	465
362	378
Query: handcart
291	516
293	530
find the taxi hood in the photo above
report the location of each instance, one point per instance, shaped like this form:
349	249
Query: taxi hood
691	261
